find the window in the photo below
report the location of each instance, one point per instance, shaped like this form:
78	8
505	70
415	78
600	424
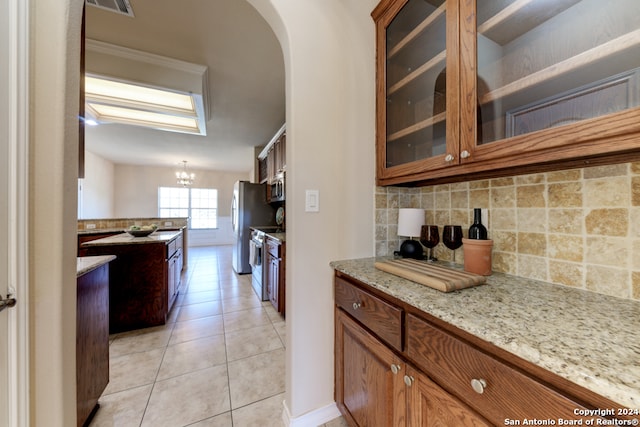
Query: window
199	204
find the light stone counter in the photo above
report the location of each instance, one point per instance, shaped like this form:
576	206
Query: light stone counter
590	339
127	239
86	264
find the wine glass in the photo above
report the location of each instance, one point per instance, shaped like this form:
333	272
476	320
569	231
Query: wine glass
429	237
452	238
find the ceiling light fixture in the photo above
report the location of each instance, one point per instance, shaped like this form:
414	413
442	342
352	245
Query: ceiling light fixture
132	87
184	178
113	101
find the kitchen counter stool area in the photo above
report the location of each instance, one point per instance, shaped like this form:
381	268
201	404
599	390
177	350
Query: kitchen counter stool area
218	361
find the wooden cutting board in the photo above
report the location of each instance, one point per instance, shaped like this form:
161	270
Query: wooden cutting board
431	275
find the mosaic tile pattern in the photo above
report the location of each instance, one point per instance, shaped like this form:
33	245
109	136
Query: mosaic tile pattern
579	227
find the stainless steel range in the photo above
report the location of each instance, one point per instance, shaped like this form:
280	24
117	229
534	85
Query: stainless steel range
256	252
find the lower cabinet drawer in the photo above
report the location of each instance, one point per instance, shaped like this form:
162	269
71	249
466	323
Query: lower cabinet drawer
492	388
382	318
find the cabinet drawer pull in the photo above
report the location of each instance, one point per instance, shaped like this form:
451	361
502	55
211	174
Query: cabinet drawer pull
395	368
465	154
449	158
408	380
356	305
478	385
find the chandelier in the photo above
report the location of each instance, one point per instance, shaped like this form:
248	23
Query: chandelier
183	177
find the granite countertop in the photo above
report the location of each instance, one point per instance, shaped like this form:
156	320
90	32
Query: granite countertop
272	231
590	339
127	239
281	237
86	264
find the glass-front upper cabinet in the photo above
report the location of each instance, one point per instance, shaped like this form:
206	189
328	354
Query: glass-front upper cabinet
544	64
413	108
470	89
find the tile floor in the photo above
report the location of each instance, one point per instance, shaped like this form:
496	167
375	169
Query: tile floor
218	362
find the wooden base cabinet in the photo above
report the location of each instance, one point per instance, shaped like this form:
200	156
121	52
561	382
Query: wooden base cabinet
275	273
368	392
395	368
92	341
429	405
375	387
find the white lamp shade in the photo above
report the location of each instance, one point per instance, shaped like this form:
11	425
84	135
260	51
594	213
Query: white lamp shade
410	222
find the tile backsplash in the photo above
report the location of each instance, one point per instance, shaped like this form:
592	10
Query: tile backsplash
122	223
578	227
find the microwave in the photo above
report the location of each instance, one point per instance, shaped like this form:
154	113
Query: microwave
277	188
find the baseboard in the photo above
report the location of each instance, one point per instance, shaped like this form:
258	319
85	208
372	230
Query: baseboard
310	419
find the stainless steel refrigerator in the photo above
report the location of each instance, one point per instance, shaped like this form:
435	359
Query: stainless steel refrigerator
249	208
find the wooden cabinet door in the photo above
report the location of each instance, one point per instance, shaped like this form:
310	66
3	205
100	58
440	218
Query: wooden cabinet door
488	88
273	281
417	99
171	281
368	392
431	406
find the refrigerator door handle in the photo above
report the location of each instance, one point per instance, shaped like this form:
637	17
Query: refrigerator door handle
234	215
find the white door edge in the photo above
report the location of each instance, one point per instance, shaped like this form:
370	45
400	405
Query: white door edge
18	319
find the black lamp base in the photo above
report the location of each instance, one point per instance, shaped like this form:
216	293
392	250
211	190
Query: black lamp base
411	249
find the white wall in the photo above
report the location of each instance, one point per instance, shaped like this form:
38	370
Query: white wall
330	89
96	198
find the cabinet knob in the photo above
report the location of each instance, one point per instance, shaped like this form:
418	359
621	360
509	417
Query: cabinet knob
449	158
395	368
356	305
408	380
478	385
465	154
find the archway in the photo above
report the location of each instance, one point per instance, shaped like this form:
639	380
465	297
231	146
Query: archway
329	62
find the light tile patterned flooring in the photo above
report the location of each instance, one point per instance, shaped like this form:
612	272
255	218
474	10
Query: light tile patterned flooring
218	362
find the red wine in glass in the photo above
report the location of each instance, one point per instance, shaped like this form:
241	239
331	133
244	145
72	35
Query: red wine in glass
429	237
452	238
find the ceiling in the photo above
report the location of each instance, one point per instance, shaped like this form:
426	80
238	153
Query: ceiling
246	81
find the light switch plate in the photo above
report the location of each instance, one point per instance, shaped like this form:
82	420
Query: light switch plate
312	201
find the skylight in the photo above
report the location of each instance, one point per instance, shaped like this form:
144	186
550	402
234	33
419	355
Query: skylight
110	101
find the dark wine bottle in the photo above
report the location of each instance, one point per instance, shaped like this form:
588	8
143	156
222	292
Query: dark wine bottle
477	231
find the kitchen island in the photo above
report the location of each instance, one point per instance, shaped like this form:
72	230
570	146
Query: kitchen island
583	344
144	279
92	333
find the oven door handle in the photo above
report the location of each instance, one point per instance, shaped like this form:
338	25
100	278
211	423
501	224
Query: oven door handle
255	254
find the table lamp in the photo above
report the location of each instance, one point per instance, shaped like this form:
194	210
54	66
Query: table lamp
410	222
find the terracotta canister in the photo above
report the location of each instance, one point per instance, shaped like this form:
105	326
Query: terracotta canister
477	256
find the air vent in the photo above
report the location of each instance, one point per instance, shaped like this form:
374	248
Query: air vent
118	6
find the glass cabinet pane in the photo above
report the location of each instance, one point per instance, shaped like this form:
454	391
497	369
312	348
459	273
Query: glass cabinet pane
547	63
415	82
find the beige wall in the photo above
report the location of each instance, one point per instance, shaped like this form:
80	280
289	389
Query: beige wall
96	197
131	191
53	174
330	90
136	188
577	227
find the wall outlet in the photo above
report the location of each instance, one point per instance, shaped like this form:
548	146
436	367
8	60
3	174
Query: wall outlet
90	226
168	223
